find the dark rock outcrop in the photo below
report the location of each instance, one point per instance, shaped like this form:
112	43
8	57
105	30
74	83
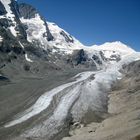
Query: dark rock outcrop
2	9
67	38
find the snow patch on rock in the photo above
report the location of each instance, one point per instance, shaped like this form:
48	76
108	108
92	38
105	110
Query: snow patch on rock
77	100
1	39
21	45
28	59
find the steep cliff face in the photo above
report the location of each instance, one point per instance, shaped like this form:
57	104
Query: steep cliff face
2	9
11	17
27	13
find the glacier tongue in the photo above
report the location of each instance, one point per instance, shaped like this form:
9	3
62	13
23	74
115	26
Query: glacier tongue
45	100
88	92
91	94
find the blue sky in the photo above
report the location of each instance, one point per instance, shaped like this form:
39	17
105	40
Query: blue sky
95	21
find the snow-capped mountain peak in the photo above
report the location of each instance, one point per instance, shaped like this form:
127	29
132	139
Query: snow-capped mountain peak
114	46
110	51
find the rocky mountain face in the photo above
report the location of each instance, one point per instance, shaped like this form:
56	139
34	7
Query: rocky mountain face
24	31
51	84
10	26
